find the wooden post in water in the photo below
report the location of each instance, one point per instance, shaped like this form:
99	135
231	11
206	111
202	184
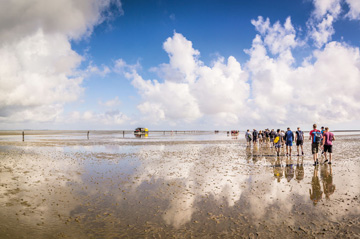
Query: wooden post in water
123	134
88	134
23	134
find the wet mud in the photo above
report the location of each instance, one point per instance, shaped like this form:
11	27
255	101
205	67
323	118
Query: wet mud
167	188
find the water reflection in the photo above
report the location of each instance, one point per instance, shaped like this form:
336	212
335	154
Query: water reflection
327	180
299	170
278	169
168	190
289	170
141	136
203	171
35	191
315	191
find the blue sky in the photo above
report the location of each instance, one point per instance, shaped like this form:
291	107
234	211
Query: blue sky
161	63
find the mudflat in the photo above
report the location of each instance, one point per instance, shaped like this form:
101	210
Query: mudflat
174	186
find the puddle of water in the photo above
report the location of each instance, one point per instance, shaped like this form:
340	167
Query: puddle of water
205	189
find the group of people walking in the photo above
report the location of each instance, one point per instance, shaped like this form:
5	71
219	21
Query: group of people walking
319	140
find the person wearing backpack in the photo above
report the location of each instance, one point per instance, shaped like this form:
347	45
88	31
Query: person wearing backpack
272	137
255	136
315	137
321	143
289	138
248	138
267	135
282	133
277	142
328	137
299	138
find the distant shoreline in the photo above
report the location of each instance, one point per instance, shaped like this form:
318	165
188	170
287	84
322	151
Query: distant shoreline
47	132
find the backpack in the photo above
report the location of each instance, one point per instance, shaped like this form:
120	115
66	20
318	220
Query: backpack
300	135
289	135
276	139
317	136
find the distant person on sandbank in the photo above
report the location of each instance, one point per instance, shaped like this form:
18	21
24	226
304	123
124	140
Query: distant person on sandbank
272	137
248	138
299	139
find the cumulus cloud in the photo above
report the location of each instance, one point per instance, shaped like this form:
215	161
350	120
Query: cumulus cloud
108	118
272	88
322	32
39	71
95	70
75	19
36	73
322	90
190	89
169	100
323	7
325	13
277	38
320	24
354	9
334	8
111	103
183	57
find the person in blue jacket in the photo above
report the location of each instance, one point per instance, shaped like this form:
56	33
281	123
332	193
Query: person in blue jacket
289	138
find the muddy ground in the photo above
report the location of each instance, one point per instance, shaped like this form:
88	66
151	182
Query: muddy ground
174	187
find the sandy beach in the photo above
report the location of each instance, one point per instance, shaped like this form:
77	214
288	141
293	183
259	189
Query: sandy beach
174	186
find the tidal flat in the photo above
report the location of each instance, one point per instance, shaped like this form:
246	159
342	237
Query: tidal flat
200	185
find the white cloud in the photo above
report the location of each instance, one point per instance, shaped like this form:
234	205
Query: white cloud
114	117
183	57
320	25
111	103
277	38
95	70
39	71
270	90
354	9
322	91
120	66
323	7
191	89
74	19
326	12
322	32
107	118
169	100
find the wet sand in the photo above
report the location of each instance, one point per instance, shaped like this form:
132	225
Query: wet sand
208	186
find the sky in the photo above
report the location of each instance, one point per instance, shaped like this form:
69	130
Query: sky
186	65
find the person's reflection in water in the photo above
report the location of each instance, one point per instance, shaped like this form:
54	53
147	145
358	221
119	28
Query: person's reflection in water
327	180
289	170
315	193
255	153
299	171
248	154
278	169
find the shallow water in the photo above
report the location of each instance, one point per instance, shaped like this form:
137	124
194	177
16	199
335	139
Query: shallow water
194	185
